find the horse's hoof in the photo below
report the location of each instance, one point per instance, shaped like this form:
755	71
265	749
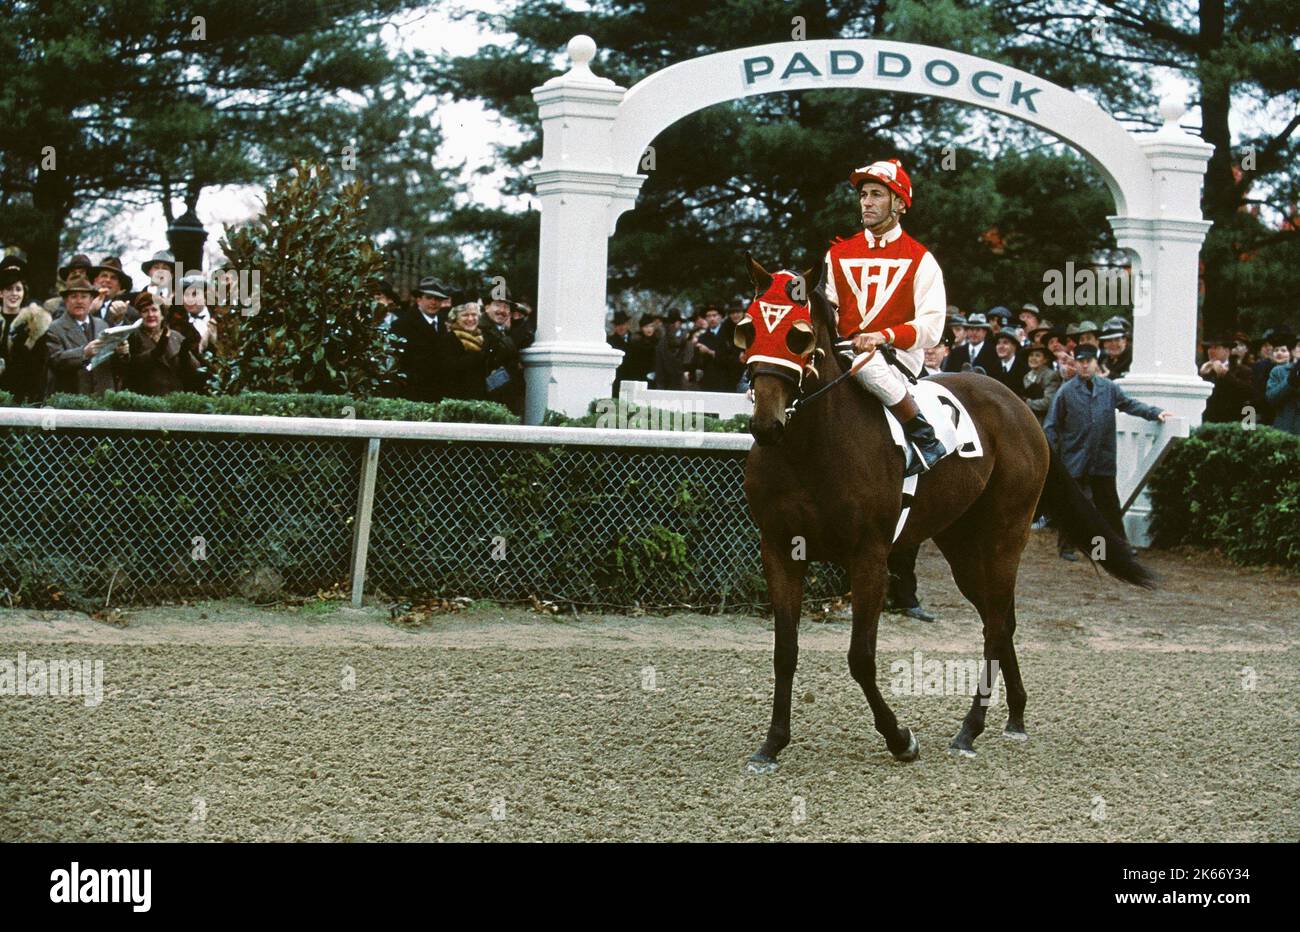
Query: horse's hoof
1015	735
761	764
960	748
912	752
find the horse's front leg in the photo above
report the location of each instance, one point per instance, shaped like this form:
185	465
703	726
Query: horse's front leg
785	586
870	578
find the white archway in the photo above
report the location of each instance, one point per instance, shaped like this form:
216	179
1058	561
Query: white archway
595	133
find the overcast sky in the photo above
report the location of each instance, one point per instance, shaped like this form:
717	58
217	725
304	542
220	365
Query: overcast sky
468	132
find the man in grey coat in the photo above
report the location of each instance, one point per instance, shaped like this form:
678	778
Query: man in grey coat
1080	426
73	340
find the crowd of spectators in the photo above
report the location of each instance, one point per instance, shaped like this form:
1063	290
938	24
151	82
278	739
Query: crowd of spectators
445	345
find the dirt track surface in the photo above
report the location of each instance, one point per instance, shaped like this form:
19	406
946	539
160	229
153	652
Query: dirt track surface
226	722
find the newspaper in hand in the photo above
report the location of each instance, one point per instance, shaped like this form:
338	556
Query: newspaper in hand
109	340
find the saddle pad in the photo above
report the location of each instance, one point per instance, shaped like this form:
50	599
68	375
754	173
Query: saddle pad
952	426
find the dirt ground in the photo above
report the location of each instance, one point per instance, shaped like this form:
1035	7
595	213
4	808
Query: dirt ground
1152	716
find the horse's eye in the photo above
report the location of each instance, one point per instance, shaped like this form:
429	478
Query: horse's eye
744	334
800	339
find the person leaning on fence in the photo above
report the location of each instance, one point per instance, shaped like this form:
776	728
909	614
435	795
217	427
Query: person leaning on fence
161	360
461	354
1283	390
1080	425
1041	382
73	340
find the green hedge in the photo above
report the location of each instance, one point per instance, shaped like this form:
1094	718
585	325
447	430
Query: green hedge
292	405
1231	489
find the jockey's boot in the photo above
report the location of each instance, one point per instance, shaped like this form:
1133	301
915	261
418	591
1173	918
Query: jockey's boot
919	434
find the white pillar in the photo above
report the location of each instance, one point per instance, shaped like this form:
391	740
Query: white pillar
581	199
1165	250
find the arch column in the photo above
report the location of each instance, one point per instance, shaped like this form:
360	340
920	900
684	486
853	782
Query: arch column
1165	251
581	199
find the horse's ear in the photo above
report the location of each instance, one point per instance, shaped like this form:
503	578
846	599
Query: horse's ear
760	276
744	334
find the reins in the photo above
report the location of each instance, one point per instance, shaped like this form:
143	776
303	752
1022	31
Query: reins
891	357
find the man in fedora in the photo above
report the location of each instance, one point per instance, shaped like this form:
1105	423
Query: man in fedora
419	334
1010	368
73	340
111	304
977	352
674	353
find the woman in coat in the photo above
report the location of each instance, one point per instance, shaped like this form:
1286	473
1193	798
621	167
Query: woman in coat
23	357
162	360
462	355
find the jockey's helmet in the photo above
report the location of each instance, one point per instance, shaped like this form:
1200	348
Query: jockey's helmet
889	173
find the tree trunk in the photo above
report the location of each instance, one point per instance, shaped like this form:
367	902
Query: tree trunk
52	198
1221	200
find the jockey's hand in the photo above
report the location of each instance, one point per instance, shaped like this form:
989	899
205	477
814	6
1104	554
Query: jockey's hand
866	342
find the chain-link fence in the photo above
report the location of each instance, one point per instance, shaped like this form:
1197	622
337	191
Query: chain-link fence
128	511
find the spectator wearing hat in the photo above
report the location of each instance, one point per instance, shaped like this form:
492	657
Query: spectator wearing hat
419	335
619	337
161	360
1010	368
1283	390
388	305
1041	381
112	304
978	351
23	325
997	318
505	372
956	329
673	355
160	270
1030	317
462	354
1231	380
1038	333
1259	373
711	354
936	355
80	263
732	354
639	362
1086	333
73	339
1116	354
1080	426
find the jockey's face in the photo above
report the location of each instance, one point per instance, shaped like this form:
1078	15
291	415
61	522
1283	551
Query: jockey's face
877	203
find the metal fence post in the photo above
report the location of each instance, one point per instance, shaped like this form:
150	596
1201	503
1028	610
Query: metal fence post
361	526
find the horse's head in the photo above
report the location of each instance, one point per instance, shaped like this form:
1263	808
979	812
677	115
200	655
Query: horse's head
779	340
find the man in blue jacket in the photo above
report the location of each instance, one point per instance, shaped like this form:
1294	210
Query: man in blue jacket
1080	426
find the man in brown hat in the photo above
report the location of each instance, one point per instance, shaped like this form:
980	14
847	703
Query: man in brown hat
114	285
73	340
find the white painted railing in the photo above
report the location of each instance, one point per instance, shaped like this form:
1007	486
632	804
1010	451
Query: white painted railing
723	404
1139	446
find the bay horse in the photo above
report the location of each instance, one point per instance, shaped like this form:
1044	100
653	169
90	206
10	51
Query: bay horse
830	473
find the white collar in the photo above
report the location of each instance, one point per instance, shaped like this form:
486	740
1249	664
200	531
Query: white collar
884	240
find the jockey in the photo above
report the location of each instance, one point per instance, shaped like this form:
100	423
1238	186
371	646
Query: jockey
887	288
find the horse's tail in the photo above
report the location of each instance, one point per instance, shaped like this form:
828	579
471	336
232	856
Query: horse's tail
1083	524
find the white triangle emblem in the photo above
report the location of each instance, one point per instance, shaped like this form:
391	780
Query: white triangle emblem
773	314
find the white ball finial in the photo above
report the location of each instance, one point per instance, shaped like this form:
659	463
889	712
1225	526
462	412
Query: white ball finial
582	49
1171	110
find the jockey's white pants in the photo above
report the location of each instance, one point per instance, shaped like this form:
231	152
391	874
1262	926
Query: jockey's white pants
884	380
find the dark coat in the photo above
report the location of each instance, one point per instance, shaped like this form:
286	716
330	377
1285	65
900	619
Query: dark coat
65	346
503	354
672	358
26	360
1259	373
464	372
1232	393
418	357
1015	378
160	367
988	357
639	361
1081	423
715	367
